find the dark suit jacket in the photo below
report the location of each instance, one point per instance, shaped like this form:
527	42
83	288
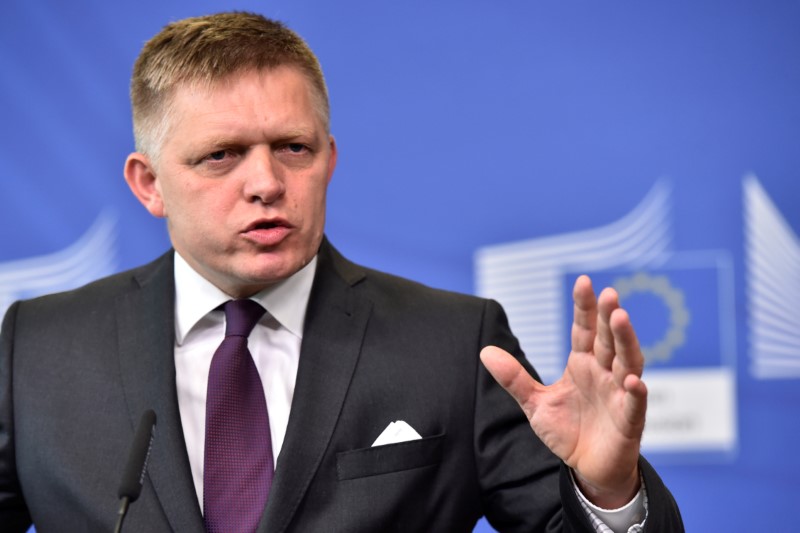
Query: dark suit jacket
78	369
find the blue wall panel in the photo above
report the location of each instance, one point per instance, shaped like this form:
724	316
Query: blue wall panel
467	125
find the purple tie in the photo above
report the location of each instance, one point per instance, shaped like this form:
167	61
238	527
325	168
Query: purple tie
238	465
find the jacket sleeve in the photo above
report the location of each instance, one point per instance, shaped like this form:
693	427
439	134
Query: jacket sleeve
525	487
14	515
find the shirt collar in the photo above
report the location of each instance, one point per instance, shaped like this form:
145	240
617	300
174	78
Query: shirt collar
195	297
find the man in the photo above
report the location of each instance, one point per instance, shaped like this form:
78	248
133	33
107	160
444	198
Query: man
234	151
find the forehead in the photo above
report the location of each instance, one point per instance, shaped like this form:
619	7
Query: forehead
284	82
254	98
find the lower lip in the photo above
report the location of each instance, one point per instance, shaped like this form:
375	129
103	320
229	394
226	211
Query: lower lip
268	237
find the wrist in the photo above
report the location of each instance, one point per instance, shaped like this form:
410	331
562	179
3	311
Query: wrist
609	497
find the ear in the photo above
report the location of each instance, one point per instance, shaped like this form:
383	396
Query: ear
332	160
141	177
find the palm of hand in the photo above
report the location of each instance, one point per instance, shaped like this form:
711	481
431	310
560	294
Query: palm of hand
593	416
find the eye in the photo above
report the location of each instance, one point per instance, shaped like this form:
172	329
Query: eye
219	155
219	160
296	148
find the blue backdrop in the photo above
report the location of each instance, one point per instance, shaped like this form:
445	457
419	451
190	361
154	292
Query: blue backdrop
499	148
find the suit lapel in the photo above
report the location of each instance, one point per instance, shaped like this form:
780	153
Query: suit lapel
336	320
145	320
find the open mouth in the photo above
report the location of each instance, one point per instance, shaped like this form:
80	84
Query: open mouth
267	225
268	232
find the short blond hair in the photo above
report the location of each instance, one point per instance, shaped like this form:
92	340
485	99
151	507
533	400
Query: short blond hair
205	50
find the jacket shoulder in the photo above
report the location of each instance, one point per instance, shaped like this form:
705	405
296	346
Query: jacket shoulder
383	287
102	291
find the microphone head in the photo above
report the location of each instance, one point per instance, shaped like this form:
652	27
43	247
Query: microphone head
133	476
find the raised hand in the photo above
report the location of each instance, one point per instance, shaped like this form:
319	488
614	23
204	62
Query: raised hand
593	416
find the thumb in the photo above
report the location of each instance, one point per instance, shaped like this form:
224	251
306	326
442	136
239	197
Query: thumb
512	376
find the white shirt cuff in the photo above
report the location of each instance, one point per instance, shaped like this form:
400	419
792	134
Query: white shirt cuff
629	518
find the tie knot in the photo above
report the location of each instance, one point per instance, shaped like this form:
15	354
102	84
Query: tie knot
241	317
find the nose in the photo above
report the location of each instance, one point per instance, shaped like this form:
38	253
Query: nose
263	181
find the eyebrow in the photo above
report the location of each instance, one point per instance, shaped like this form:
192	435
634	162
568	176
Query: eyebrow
297	132
228	140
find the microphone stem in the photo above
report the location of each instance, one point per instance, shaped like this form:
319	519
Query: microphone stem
123	510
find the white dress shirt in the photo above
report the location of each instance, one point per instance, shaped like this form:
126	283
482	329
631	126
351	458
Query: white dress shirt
274	344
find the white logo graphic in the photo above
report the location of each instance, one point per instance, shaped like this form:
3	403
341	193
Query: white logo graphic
692	385
673	298
92	256
772	256
527	277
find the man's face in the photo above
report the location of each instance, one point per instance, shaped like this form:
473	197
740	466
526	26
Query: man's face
242	178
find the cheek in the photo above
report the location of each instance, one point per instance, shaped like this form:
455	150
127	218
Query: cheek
172	194
207	196
316	206
198	210
308	200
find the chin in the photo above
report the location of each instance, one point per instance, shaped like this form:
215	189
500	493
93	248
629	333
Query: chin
271	275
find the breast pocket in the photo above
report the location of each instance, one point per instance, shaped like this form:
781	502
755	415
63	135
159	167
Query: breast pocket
389	458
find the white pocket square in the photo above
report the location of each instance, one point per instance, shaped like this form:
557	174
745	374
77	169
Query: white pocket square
398	431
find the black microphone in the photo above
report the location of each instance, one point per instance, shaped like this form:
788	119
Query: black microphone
133	476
